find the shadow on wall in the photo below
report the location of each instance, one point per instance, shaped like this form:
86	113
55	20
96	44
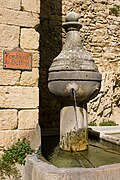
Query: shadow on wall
50	46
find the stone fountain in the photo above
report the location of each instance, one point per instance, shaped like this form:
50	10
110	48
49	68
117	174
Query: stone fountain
74	79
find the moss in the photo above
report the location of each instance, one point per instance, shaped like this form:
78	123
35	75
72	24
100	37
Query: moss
75	140
114	10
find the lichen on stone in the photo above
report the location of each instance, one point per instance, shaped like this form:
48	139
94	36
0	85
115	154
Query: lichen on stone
75	140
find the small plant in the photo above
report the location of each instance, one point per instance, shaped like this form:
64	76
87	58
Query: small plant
16	154
92	123
107	123
114	10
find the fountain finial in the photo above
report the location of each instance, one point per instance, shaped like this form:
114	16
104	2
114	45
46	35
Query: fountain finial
72	16
72	22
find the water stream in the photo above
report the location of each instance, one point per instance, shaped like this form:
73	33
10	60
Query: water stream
75	106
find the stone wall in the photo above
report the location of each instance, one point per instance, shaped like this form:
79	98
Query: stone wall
101	37
19	93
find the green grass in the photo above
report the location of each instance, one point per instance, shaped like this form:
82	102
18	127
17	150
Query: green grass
108	123
92	123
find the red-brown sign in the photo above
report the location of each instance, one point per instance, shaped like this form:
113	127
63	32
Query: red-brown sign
17	59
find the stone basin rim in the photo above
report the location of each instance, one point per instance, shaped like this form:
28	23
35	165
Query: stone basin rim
41	170
51	166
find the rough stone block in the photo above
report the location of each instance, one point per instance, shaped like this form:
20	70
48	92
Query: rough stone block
116	115
13	4
29	39
32	6
18	18
19	97
8	119
9	77
35	58
34	136
8	138
30	78
9	35
28	119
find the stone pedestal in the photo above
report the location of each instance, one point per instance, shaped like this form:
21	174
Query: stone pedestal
73	128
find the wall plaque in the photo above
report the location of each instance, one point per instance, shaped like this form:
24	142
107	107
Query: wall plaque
17	59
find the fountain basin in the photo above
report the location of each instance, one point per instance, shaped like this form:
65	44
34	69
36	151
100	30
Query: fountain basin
39	169
85	83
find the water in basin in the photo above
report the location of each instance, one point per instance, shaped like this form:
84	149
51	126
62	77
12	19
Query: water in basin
96	155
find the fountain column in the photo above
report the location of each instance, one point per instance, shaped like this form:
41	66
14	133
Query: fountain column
74	79
73	128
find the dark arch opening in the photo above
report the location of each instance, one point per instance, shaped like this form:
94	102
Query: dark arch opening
50	46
